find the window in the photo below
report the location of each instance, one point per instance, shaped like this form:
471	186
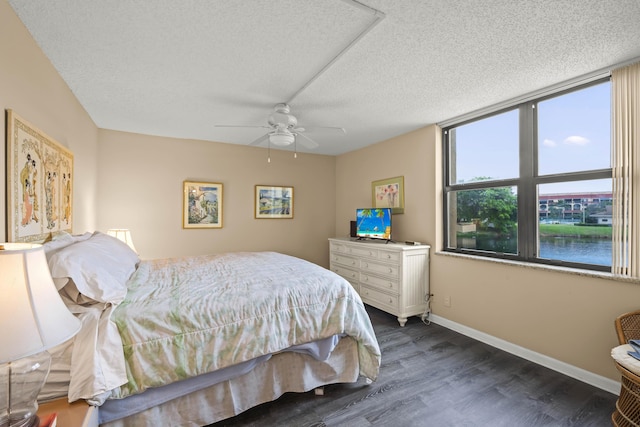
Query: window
534	182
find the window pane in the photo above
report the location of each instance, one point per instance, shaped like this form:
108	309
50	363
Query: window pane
575	221
574	131
485	149
486	219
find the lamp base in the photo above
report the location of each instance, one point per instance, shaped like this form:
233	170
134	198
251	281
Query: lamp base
32	421
25	379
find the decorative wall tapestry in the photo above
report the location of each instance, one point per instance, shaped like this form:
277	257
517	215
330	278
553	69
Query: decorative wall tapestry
39	183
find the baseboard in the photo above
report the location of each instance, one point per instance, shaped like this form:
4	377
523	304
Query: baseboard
580	374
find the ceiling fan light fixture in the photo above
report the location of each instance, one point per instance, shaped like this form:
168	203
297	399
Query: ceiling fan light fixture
281	139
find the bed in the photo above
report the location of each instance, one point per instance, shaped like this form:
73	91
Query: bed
194	340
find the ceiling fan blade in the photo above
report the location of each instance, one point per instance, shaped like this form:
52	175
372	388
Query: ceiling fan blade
240	126
312	128
309	143
259	140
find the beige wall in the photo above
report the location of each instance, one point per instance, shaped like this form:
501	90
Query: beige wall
30	86
565	316
406	156
140	187
139	182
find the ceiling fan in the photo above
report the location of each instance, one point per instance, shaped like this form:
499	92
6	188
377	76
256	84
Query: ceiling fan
284	129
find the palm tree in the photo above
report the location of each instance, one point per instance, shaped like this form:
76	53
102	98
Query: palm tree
363	214
380	214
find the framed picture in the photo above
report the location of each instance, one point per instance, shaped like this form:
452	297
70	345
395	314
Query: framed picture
389	193
39	183
273	202
202	205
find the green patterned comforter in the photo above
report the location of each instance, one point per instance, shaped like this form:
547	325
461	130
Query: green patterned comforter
187	316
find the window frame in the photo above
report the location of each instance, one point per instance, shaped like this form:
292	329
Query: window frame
526	183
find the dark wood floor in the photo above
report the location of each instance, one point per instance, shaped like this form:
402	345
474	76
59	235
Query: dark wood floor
432	376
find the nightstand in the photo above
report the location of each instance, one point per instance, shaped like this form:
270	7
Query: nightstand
76	414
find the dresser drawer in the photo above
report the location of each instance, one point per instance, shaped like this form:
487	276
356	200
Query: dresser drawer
378	298
363	252
389	285
389	256
347	273
389	270
337	258
337	247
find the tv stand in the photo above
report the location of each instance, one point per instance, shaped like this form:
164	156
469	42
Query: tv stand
393	277
362	239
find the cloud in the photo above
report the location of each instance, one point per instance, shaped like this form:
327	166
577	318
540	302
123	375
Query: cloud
576	140
549	143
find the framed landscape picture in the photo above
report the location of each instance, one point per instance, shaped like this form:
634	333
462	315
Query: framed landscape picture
202	205
273	202
389	193
39	183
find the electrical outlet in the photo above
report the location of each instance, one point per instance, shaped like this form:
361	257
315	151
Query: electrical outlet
447	301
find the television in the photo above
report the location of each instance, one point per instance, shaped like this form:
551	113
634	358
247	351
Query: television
373	223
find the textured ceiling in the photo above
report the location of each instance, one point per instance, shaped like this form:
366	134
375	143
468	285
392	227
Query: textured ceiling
178	68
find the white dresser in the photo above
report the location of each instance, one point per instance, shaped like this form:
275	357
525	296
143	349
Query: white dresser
390	276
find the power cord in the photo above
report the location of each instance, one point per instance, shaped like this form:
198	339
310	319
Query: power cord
427	311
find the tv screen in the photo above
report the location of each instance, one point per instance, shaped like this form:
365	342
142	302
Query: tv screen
373	223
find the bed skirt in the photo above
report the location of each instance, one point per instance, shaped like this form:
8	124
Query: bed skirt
282	373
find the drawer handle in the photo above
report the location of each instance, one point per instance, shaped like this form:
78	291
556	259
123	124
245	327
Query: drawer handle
388	256
390	270
365	278
390	301
391	284
370	253
353	262
366	265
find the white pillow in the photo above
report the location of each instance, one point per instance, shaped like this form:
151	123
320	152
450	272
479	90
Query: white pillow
99	267
58	242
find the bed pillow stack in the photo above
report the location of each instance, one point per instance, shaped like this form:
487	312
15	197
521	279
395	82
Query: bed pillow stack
94	268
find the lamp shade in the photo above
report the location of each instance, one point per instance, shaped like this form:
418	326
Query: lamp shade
33	317
124	235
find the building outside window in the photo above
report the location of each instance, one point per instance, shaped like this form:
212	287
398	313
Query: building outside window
533	182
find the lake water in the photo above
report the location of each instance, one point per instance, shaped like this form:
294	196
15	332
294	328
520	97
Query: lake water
588	251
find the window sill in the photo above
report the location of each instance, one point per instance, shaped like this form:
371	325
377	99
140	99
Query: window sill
558	269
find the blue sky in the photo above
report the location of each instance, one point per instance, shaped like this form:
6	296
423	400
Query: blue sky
574	134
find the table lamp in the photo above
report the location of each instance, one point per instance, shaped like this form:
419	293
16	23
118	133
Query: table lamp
124	235
33	319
